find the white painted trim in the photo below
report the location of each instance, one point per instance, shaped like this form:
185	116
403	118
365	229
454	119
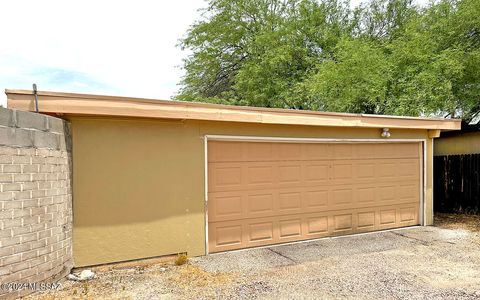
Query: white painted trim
304	140
319	239
205	146
423	144
432	141
424	185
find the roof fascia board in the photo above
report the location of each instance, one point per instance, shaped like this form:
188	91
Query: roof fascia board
80	104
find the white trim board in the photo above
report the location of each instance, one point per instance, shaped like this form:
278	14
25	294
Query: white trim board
239	138
205	146
423	166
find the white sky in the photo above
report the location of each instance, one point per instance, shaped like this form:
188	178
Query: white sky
121	47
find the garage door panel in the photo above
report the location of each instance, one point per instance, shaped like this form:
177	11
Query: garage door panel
388	216
271	202
226	152
386	193
342	171
260	204
229	235
289	151
343	222
226	207
315	200
225	177
290	228
365	170
316	225
260	151
366	220
407	190
386	170
408	214
226	236
289	202
260	231
341	196
316	152
316	172
268	193
407	168
399	150
260	175
290	173
366	195
273	230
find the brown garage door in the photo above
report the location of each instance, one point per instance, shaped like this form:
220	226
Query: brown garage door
262	193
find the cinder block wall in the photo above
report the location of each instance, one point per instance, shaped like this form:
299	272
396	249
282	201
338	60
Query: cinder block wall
35	199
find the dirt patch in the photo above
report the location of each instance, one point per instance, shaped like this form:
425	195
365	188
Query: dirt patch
164	281
457	221
193	277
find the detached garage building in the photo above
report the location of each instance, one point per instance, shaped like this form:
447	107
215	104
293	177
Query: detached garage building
153	177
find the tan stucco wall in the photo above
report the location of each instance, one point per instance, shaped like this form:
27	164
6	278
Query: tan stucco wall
139	183
466	143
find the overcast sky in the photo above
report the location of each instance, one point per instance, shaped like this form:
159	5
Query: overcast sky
122	47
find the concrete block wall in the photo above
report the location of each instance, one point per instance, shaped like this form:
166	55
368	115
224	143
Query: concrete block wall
35	200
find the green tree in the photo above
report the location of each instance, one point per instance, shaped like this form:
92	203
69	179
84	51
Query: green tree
436	62
384	57
354	80
258	52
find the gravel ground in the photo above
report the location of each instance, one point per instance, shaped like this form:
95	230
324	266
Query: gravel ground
440	262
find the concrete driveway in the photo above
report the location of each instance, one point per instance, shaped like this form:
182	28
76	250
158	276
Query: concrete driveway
413	263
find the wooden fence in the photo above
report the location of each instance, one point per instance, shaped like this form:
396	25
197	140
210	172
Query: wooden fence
457	183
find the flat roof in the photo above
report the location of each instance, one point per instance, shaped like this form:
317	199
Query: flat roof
71	104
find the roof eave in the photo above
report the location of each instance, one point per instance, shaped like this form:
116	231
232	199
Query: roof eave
82	104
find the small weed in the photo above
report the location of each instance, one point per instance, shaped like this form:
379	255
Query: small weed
85	288
140	269
181	259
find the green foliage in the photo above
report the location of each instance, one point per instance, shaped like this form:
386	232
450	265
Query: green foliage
383	57
354	80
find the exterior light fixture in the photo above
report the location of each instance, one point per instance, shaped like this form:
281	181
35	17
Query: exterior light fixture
385	133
